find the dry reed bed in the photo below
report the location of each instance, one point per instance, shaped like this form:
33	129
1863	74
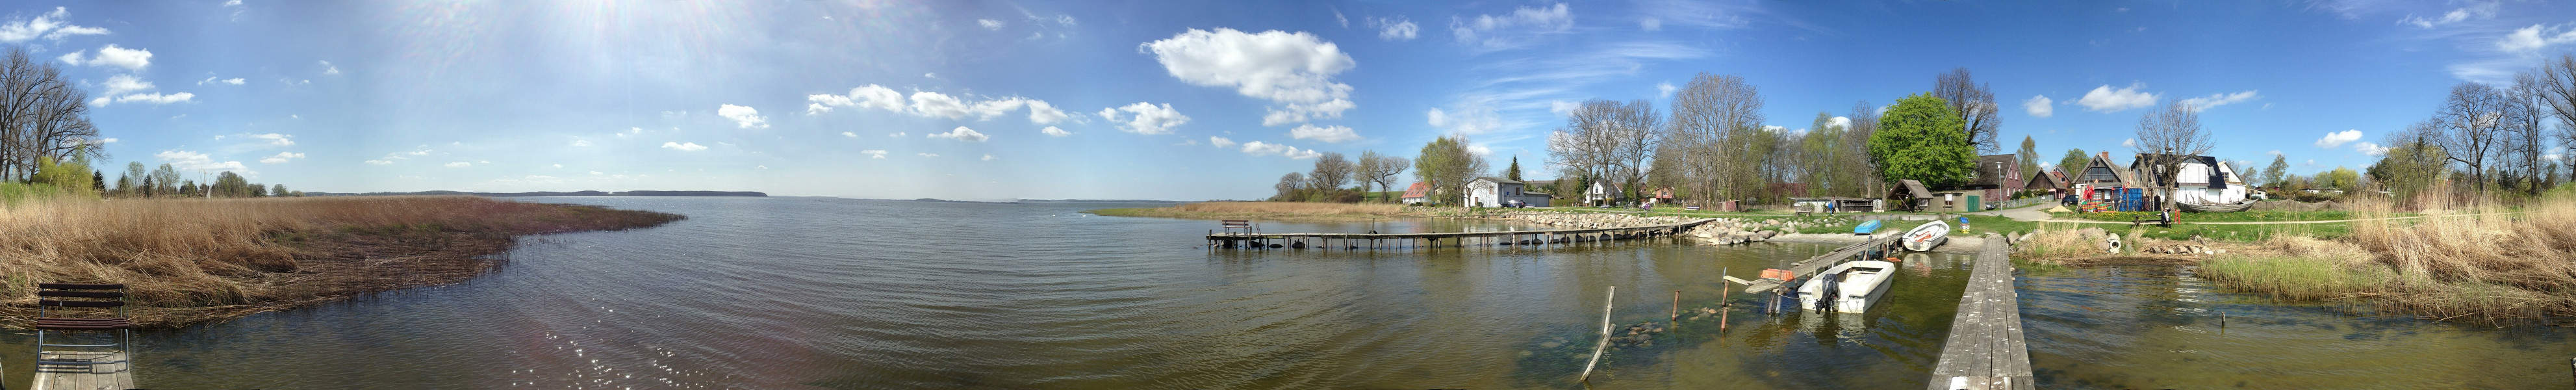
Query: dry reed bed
1288	210
2494	266
192	261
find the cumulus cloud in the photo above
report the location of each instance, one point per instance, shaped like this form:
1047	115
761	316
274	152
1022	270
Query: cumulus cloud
989	24
1665	89
1259	148
1145	118
746	117
1840	121
2372	149
125	83
192	161
874	153
111	55
1328	134
930	104
152	98
961	133
281	158
2333	139
684	146
2536	37
1294	71
2105	99
2131	143
460	164
2039	106
1507	31
1052	131
275	139
2220	99
328	69
1220	142
51	25
865	96
1396	29
849	134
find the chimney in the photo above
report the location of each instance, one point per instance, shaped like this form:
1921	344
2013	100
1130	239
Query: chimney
2106	156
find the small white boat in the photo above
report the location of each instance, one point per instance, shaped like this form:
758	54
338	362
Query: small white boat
1848	287
1924	238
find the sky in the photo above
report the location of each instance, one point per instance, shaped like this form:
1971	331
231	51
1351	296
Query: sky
1179	100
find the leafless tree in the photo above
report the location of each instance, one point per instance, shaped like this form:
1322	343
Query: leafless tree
1637	129
1975	104
1381	169
41	115
1586	141
1331	171
1864	122
2168	138
1288	185
2557	93
2472	119
2526	136
1707	114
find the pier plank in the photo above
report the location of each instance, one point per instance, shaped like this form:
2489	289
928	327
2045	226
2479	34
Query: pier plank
1985	349
56	376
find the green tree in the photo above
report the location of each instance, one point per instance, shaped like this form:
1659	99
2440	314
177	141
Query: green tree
2280	170
2411	166
1447	166
2029	156
167	177
229	185
64	176
136	176
1920	139
2341	179
1513	171
277	190
2074	162
257	190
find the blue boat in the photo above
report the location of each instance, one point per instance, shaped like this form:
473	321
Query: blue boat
1865	228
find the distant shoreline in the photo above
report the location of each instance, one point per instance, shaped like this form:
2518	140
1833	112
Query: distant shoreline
550	193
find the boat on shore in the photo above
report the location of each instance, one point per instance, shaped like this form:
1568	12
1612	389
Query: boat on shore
2216	207
1924	238
1848	287
1866	228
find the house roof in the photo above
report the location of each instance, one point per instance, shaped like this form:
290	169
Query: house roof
2154	175
1418	190
1612	187
2048	179
1914	188
1996	169
2127	178
1498	180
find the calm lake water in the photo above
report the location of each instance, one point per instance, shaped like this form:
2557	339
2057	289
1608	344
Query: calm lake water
857	294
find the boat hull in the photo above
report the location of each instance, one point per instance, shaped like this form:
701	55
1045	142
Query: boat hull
1862	284
1866	228
1924	238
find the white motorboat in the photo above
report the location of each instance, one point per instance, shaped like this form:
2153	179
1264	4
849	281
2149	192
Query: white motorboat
1848	287
1924	238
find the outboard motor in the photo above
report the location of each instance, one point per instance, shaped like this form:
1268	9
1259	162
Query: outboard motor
1831	293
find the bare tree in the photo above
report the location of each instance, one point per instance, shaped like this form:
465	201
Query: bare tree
1331	171
41	115
1635	130
2526	136
1855	161
1586	141
1380	169
2167	139
2472	119
1706	114
2557	92
1288	186
1975	104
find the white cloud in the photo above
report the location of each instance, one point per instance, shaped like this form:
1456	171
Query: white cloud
2478	10
111	55
865	96
153	98
988	157
1842	122
2552	156
926	154
2338	138
874	153
580	143
125	83
2275	152
989	24
232	3
460	164
1045	114
2039	106
961	133
1052	131
192	161
1467	121
1774	129
281	158
2221	99
1145	118
1328	134
213	80
2105	99
1259	148
1292	70
2131	143
328	68
1500	32
684	146
50	25
1220	142
743	116
630	132
1665	89
380	162
2371	149
1396	29
2536	37
276	139
849	134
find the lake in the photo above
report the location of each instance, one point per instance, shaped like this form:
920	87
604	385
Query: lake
868	294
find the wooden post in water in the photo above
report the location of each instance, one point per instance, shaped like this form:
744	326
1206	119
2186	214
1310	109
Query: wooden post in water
1722	309
1677	308
1605	335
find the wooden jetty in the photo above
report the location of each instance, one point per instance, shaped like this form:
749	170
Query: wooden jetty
1237	239
53	374
1883	243
1985	348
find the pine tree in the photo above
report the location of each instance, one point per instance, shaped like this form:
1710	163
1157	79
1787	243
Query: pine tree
1514	171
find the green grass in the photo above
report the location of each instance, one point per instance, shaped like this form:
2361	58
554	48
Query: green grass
2243	216
2301	278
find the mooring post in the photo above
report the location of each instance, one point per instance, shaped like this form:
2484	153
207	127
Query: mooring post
1676	315
1722	309
1605	335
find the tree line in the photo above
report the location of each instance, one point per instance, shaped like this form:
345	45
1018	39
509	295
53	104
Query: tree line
47	141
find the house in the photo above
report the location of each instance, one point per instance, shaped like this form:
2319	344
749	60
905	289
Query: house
1495	192
1909	195
2196	180
2099	179
2051	181
1602	192
1417	194
1997	175
1661	196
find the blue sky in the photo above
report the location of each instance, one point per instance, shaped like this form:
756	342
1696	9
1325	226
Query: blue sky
1166	100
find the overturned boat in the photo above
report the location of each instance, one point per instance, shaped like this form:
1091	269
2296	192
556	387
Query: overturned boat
1924	238
1866	228
1848	287
2216	207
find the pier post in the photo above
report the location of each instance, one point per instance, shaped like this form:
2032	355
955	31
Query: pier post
1605	335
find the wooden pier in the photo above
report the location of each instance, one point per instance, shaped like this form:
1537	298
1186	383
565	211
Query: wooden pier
1985	349
1883	243
1232	240
53	374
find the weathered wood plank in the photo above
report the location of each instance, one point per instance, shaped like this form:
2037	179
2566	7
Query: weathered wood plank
1811	265
51	375
1985	349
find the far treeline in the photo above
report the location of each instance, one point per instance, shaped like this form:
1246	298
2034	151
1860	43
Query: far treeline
47	143
1712	144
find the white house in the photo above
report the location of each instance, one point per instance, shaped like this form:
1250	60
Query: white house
1418	193
2197	180
1601	192
1495	192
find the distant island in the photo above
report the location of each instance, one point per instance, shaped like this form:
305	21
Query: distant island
551	193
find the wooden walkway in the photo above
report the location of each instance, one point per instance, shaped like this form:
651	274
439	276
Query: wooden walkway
49	376
1456	239
1882	243
1985	349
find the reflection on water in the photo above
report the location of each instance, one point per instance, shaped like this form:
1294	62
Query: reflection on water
827	293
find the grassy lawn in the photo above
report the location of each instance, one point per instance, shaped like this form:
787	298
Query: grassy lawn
2244	216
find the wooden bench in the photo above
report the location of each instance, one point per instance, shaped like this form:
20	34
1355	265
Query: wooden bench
1235	225
2161	219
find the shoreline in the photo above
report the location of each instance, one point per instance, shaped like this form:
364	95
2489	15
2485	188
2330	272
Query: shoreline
283	253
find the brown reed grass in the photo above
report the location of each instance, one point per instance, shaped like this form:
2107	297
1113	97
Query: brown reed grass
1264	210
189	261
2486	263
